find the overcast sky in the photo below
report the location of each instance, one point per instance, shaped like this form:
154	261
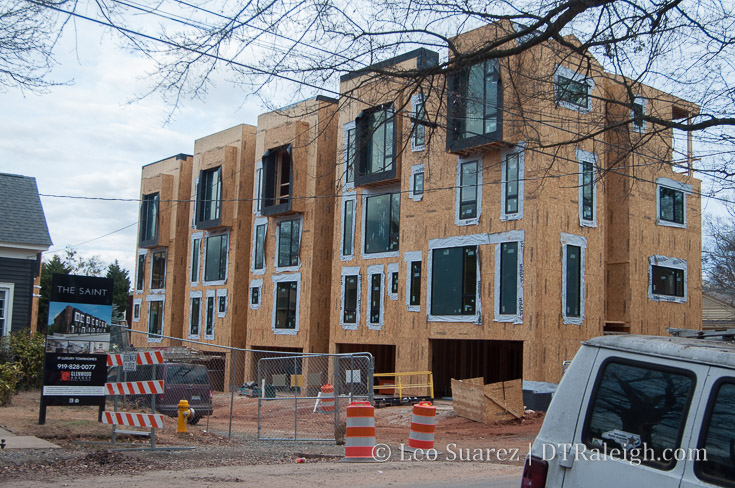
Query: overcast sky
86	139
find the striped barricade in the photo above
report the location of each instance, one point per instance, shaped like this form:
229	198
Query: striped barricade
150	420
422	426
134	388
360	433
144	358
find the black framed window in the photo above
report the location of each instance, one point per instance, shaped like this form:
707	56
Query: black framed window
259	254
646	402
195	253
209	198
376	293
136	311
155	318
394	283
468	190
286	294
454	281
222	304
255	295
376	135
382	223
350	309
588	190
671	205
475	106
288	243
415	294
277	180
571	91
350	155
215	261
573	291
158	270
418	183
638	111
348	234
209	328
140	280
667	281
418	118
512	175
196	312
149	220
717	437
509	278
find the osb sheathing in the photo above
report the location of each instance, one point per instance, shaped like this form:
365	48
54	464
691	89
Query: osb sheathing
169	178
311	129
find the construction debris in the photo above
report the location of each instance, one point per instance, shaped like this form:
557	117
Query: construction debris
473	399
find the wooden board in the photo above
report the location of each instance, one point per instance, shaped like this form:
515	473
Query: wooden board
487	403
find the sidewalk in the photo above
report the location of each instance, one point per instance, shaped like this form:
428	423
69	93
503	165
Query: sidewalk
13	441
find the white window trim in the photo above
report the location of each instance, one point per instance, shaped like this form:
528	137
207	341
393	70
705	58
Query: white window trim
415	100
194	207
195	236
165	271
143	252
520	150
392	268
222	292
458	193
195	294
639	100
139	302
408	258
155	298
350	271
367	193
348	196
415	169
455	241
277	279
581	242
351	185
204	258
587	157
673	185
212	294
259	221
498	239
579	77
287	269
375	269
10	290
257	190
255	284
667	262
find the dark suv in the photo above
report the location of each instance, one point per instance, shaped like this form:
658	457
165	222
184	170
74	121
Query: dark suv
184	381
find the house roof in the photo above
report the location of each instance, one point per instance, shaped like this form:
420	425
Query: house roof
21	215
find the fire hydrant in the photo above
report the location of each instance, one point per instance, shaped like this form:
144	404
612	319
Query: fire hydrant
184	413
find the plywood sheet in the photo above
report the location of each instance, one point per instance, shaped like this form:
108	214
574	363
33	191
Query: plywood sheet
487	403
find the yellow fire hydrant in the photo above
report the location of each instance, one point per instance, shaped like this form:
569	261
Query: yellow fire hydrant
184	413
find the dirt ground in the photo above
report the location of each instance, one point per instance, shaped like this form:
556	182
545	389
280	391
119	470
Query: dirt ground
86	449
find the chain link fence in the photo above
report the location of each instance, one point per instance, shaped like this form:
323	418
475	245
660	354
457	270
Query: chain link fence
245	393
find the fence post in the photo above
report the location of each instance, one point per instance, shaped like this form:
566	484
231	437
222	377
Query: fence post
295	399
371	386
232	391
335	382
261	392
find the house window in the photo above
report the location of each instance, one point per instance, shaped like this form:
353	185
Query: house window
196	244
136	311
667	281
259	188
278	176
511	167
140	280
209	198
467	195
259	253
288	243
350	145
286	294
209	326
221	303
637	113
155	319
671	205
349	313
587	188
158	270
149	220
376	298
572	290
571	91
215	259
454	281
418	184
3	310
255	295
394	283
418	120
508	278
6	308
195	315
415	291
348	230
382	223
475	103
375	140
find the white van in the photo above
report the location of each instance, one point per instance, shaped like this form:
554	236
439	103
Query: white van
640	411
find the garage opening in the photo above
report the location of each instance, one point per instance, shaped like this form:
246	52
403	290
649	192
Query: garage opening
461	359
385	355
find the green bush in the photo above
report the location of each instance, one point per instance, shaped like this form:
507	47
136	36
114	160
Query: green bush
9	375
26	351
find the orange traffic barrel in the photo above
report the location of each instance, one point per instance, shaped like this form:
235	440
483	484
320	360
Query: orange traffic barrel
326	399
422	426
360	432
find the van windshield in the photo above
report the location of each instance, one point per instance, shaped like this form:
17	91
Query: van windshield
187	374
